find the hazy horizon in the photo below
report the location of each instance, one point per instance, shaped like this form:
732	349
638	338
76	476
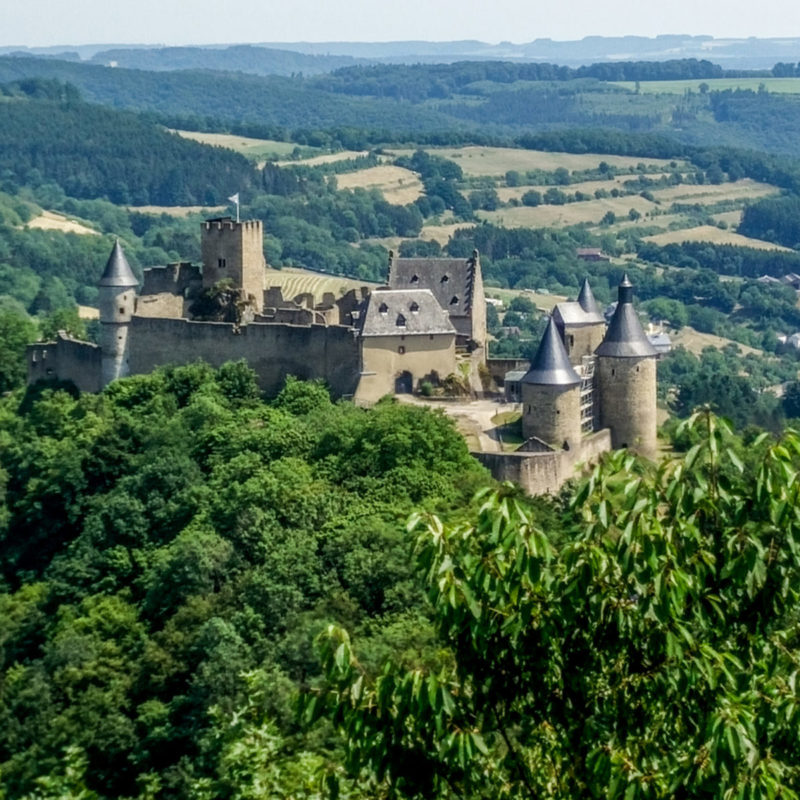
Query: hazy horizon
47	23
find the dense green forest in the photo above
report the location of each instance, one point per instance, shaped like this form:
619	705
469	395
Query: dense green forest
173	545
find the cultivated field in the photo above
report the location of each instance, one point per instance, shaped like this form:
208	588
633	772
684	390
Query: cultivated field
294	281
708	233
398	185
496	161
50	221
589	211
328	158
707	193
776	85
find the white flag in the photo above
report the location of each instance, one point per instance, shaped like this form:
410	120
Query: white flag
234	198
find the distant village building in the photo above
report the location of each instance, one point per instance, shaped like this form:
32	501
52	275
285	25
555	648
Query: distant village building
592	254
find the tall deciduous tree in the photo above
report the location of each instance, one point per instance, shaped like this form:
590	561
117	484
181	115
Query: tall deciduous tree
653	654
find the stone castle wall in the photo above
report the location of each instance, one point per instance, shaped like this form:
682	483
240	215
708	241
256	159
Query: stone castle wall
66	359
544	473
273	351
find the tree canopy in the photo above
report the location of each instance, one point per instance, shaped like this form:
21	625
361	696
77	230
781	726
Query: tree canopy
651	652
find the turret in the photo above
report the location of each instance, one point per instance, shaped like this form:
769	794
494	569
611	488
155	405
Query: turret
580	324
626	379
117	300
551	395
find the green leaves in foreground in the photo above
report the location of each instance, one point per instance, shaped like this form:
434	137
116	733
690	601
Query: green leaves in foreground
654	654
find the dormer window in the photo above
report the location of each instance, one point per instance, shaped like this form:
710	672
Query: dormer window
445	278
400	321
414	307
454	300
415	279
383	308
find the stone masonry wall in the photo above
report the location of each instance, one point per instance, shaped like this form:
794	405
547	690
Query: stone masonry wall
273	351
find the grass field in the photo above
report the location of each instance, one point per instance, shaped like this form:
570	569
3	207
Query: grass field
256	149
398	185
543	301
181	211
776	85
695	342
708	233
50	221
294	281
496	161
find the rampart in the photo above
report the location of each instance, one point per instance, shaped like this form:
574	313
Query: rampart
272	350
65	359
544	473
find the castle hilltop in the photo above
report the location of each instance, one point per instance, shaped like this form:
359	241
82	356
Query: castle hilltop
589	388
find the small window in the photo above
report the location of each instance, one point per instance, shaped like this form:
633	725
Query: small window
383	308
571	342
445	278
400	321
414	307
401	350
454	300
221	263
415	279
121	310
613	373
430	336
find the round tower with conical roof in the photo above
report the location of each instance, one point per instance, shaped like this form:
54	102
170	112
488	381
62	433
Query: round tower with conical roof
626	379
551	395
117	300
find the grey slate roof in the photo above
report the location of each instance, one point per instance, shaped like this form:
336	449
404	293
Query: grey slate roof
408	312
625	337
117	272
572	313
584	311
586	300
450	279
550	365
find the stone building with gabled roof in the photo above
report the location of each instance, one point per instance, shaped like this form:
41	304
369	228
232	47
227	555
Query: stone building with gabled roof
457	285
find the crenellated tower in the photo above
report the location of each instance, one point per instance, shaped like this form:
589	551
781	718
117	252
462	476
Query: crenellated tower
235	251
626	379
117	301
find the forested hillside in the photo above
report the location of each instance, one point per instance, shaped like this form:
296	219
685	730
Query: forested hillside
91	151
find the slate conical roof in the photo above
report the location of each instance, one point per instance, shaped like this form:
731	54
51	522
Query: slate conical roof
625	337
586	299
550	365
117	272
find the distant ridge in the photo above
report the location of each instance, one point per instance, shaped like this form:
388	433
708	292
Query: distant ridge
750	53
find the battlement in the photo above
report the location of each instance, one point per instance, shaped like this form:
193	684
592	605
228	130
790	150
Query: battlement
228	223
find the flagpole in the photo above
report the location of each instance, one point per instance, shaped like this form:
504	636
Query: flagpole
237	212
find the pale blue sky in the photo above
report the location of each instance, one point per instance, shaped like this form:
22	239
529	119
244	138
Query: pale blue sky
49	22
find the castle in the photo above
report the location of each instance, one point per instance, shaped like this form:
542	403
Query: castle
427	323
588	389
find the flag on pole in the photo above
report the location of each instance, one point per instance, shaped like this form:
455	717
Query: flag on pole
234	198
